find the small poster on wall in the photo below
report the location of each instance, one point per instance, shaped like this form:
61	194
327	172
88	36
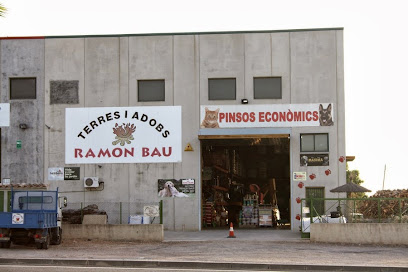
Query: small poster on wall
299	176
176	188
314	159
56	173
71	173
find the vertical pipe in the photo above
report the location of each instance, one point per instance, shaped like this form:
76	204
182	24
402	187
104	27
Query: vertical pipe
301	215
120	212
354	209
161	212
311	210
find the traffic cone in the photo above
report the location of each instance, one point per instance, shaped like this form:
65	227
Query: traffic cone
231	232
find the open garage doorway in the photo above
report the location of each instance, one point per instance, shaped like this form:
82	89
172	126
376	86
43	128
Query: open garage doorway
246	181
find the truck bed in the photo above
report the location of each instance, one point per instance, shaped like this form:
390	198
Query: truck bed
28	220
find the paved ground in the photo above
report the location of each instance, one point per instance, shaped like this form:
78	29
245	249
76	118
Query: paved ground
260	246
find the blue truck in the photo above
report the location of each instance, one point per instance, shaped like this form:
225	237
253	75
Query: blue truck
35	216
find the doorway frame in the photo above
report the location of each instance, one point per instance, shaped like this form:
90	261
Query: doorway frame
240	133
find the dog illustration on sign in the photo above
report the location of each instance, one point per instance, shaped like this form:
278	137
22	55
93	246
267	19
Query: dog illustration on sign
325	115
169	190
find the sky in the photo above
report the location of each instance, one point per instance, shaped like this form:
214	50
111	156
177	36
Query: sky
375	54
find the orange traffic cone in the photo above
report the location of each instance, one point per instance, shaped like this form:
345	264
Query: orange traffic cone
231	232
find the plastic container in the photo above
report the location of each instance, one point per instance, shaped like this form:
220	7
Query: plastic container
135	219
146	220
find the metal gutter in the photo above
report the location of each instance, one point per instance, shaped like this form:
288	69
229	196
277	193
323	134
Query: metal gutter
175	34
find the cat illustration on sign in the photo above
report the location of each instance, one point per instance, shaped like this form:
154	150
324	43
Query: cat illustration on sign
210	119
325	115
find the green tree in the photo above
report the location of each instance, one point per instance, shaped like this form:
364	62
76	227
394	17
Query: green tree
354	177
2	10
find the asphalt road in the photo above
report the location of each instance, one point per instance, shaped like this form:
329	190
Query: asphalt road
273	250
24	268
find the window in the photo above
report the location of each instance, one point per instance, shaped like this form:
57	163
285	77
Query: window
150	90
267	88
314	142
23	88
35	199
221	89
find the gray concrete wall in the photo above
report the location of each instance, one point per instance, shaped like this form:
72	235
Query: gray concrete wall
364	233
23	58
136	233
107	69
316	62
186	94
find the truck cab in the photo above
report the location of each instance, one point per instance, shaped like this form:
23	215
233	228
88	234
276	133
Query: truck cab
35	215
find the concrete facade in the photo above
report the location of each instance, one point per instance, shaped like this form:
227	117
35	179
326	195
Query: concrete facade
137	233
107	68
367	233
23	58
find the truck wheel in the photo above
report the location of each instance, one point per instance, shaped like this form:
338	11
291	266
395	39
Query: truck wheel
56	237
46	244
5	244
59	239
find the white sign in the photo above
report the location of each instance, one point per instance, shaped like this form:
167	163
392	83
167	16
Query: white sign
299	176
17	218
6	181
56	173
272	115
151	211
187	181
123	135
4	114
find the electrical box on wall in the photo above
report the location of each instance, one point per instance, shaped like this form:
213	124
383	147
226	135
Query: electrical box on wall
91	182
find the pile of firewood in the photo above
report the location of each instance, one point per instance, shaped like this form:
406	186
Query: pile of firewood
74	216
389	209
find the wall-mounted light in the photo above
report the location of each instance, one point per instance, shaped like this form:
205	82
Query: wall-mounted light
244	101
23	126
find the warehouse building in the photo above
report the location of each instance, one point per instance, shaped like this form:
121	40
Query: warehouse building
222	127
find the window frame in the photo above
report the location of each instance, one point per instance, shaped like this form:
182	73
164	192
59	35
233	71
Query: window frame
314	143
19	78
265	77
222	78
145	80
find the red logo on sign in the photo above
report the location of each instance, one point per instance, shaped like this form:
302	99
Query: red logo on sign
124	133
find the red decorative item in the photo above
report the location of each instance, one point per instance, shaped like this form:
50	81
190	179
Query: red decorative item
312	176
327	172
298	200
298	217
301	184
342	159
